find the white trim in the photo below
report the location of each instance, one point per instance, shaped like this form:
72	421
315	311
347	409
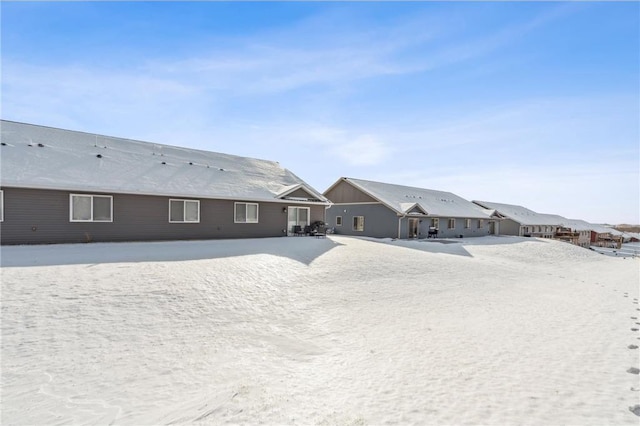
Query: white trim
235	206
90	196
1	205
184	210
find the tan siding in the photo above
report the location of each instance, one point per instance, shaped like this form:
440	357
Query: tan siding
346	193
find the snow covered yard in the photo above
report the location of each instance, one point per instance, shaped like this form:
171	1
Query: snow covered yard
492	330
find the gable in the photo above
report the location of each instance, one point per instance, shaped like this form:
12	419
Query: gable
343	192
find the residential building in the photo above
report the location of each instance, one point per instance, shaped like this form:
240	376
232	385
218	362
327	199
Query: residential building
383	210
63	186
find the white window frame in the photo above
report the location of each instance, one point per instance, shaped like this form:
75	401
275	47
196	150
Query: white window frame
480	223
451	224
184	210
1	205
435	222
338	220
467	223
91	196
235	217
359	227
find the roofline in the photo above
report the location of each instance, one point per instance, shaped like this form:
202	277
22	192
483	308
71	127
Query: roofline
301	186
140	141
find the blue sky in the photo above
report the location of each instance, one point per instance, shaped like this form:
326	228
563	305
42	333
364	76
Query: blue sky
536	104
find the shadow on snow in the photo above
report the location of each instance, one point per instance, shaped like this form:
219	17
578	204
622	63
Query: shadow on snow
452	246
301	249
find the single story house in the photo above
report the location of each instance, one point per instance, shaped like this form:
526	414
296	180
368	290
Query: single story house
383	210
520	221
63	186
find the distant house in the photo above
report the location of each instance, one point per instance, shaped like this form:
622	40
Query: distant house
521	221
582	229
62	186
382	210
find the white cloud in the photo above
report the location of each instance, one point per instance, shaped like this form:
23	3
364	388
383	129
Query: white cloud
364	150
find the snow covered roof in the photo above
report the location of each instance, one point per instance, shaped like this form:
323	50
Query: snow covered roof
524	216
35	156
404	199
521	214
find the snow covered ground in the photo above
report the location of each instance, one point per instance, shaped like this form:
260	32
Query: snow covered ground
493	330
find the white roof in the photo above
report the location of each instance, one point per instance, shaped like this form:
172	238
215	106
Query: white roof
528	217
522	215
43	157
403	199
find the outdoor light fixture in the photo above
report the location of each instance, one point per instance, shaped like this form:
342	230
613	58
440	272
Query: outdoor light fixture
284	210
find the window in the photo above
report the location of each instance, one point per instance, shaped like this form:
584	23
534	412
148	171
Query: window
338	220
246	213
452	223
90	208
480	223
184	211
467	223
435	222
1	205
358	223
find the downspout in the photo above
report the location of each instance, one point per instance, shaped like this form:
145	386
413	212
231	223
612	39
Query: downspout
327	207
400	224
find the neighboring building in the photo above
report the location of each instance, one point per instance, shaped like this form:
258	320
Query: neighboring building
382	210
583	229
521	221
62	186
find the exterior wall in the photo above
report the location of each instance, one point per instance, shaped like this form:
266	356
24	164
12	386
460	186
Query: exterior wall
33	216
509	227
346	193
584	239
445	232
379	220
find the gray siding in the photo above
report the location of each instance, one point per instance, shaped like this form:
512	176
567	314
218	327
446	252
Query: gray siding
33	216
445	232
379	220
509	227
346	193
382	222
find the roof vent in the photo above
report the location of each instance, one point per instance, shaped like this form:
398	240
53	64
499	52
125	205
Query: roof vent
3	144
222	170
190	163
164	162
99	155
41	145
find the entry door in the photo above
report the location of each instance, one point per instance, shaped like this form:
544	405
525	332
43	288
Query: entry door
413	228
297	216
492	228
